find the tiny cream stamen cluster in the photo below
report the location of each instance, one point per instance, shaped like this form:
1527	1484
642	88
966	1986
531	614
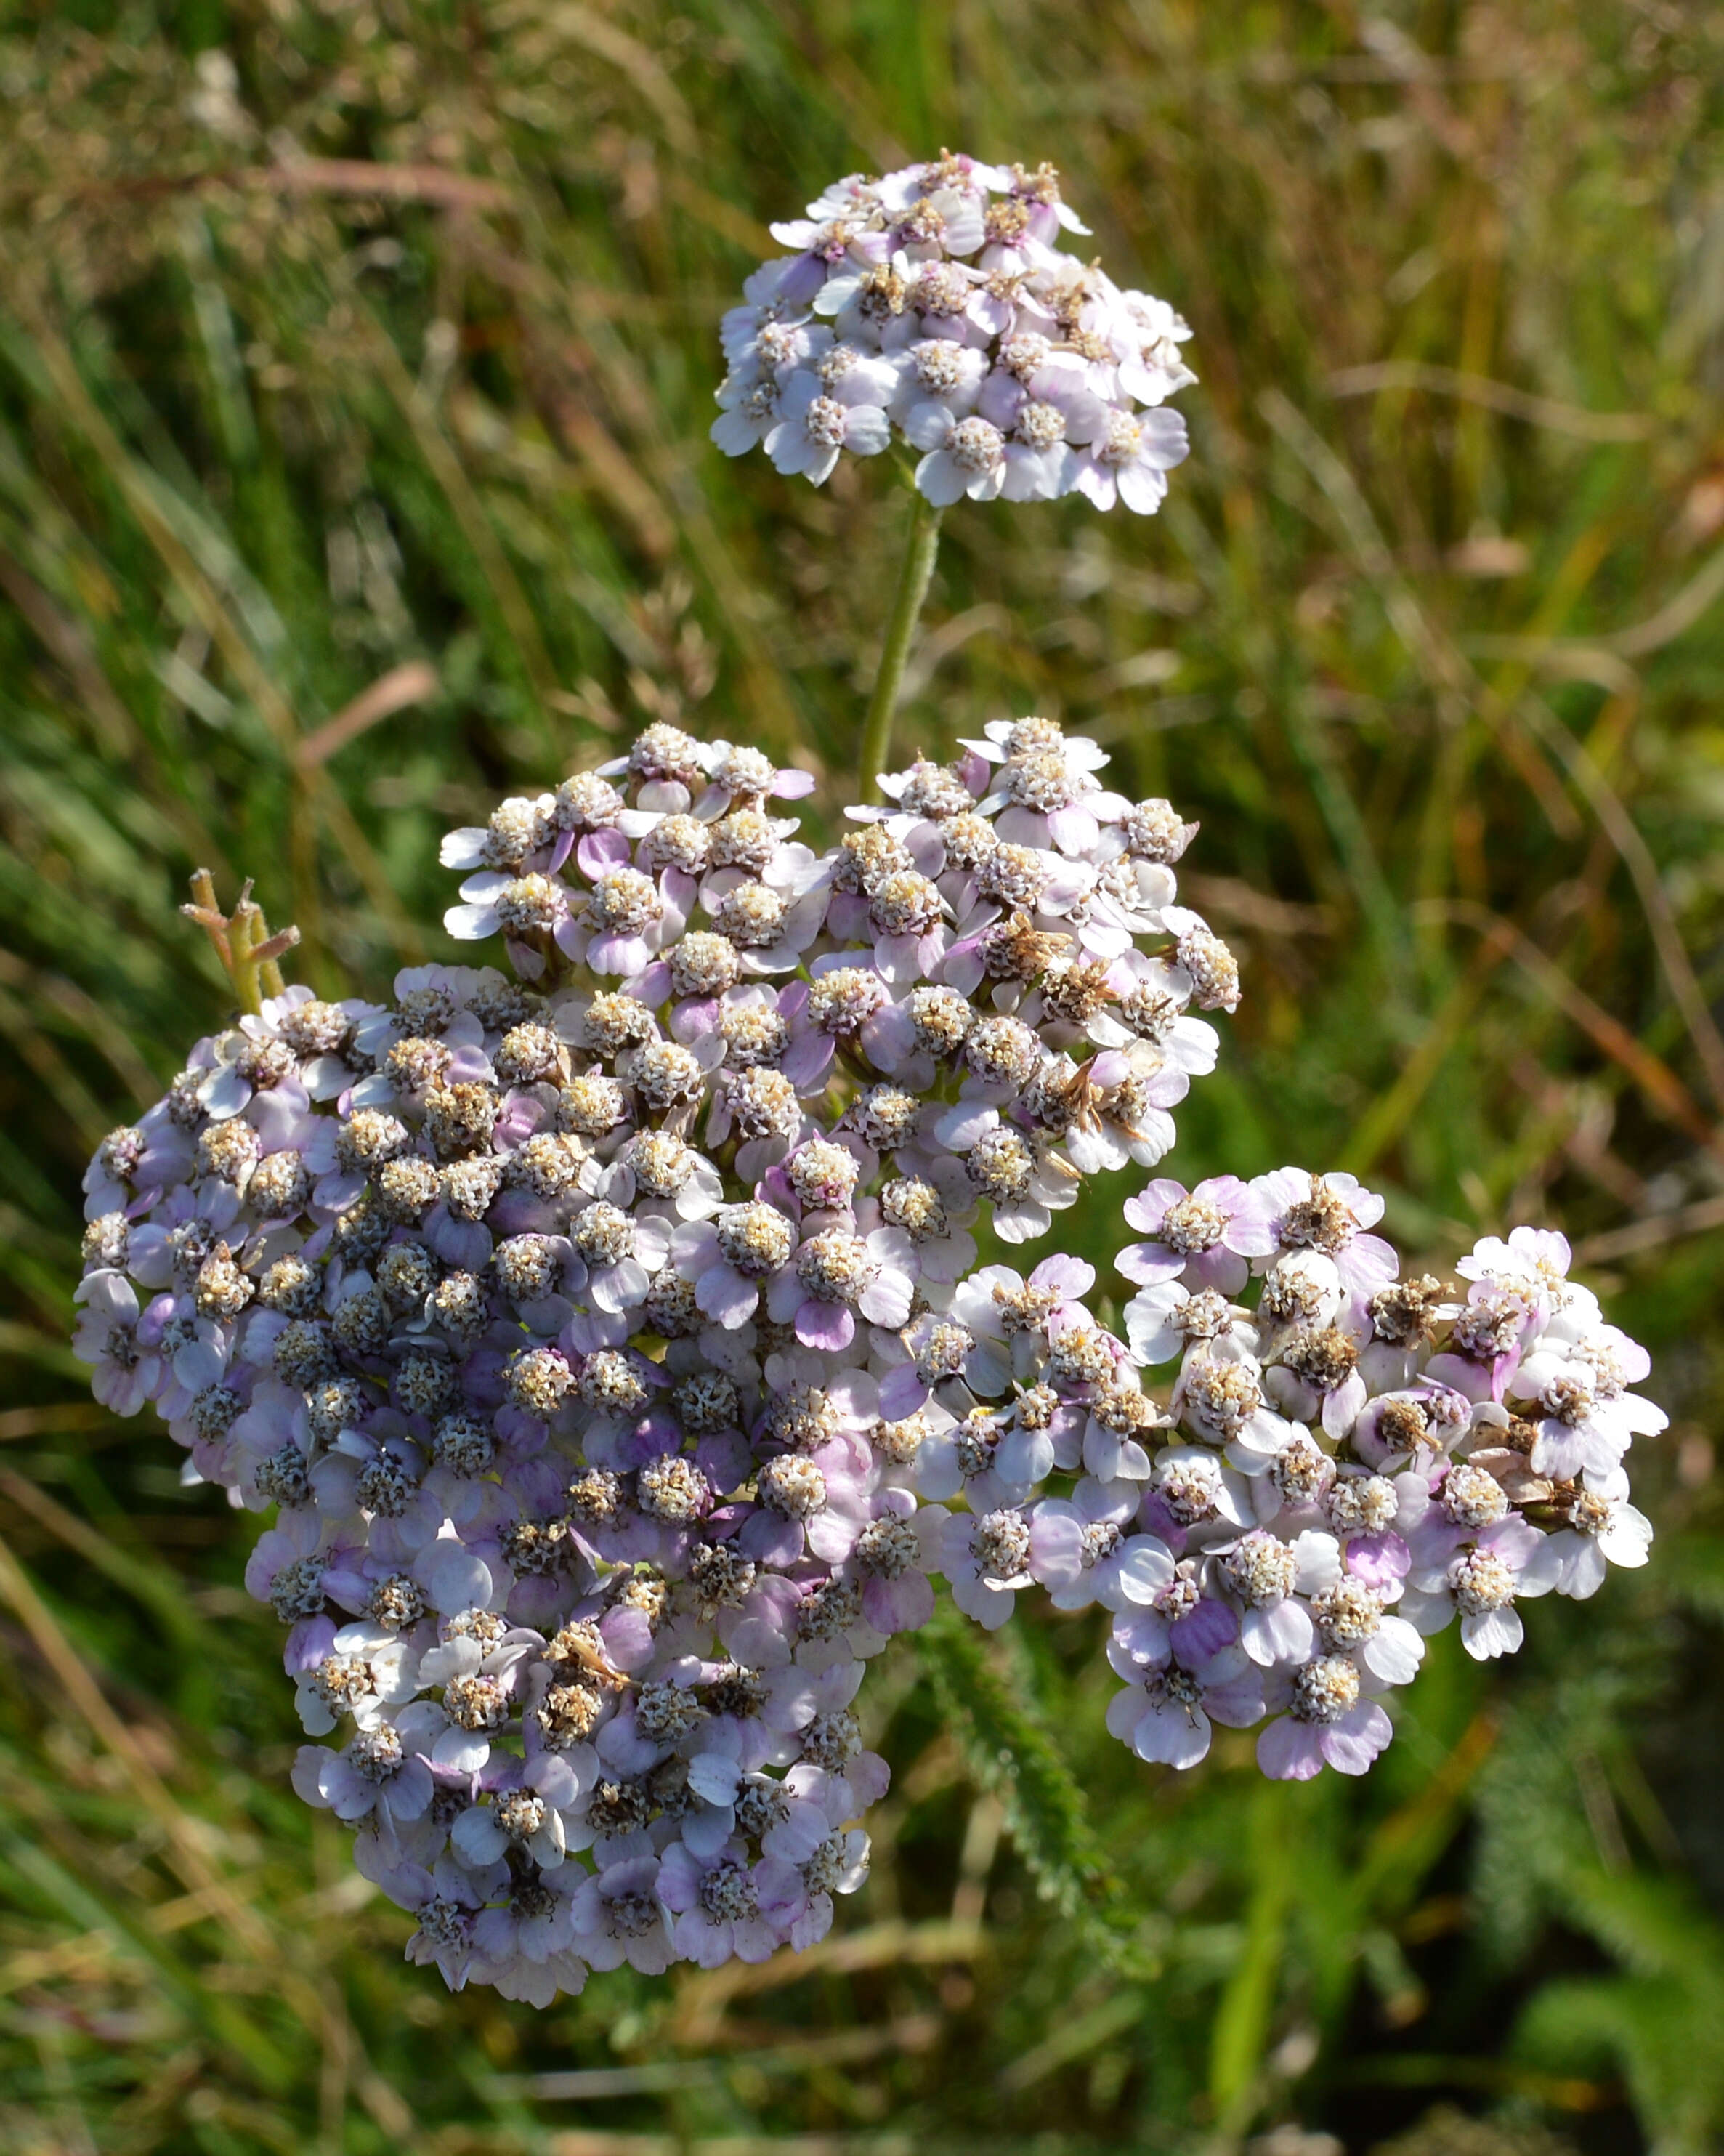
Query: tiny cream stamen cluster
935	305
612	1345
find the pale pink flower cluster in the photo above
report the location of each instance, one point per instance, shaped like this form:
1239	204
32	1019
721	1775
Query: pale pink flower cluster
936	305
551	1315
1351	1461
613	1348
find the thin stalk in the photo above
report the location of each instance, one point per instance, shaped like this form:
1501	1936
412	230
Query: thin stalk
901	633
251	955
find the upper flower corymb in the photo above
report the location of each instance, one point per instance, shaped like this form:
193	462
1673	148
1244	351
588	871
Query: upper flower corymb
936	305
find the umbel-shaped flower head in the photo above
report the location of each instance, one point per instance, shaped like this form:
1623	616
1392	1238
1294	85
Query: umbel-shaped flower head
614	1347
614	1340
937	307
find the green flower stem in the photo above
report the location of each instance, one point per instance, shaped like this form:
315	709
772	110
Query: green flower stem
901	633
249	954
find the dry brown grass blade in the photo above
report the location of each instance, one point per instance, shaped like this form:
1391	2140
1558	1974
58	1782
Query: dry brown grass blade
98	1027
1561	661
47	1512
67	643
1656	1232
702	2001
1663	1089
1452	680
1679	613
1435	658
1624	835
412	683
608	40
383	182
206	607
16	1422
186	1845
317	2001
1450	672
39	1053
1675	617
469	513
910	2032
1495	397
356	176
1390	1112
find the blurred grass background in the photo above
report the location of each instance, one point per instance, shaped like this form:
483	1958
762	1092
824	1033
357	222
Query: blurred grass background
356	362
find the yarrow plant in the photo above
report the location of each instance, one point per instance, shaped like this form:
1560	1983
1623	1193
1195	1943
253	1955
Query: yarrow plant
936	307
611	1338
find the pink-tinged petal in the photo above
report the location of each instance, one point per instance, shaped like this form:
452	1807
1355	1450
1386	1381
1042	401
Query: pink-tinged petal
464	849
1463	1376
1239	1702
831	1536
1378	1560
769	1540
899	959
225	1093
825	1325
617	954
785	1296
724	1295
1342	1407
931	949
1171	1735
1124	1712
868	432
947	1261
1283	1632
927	426
627	1638
901	1392
485	885
806	1062
1072	1276
477	1837
904	1605
847	916
460	1750
599	852
940	478
1073	830
1144	1568
1220	1269
1094	482
963	969
888	1300
1287	1751
1354	1742
469	924
961	1126
1141	489
453	1578
1250	1235
1210	1627
1367	1262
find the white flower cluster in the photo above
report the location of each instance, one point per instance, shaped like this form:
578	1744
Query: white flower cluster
937	302
1351	1463
615	1352
554	1319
